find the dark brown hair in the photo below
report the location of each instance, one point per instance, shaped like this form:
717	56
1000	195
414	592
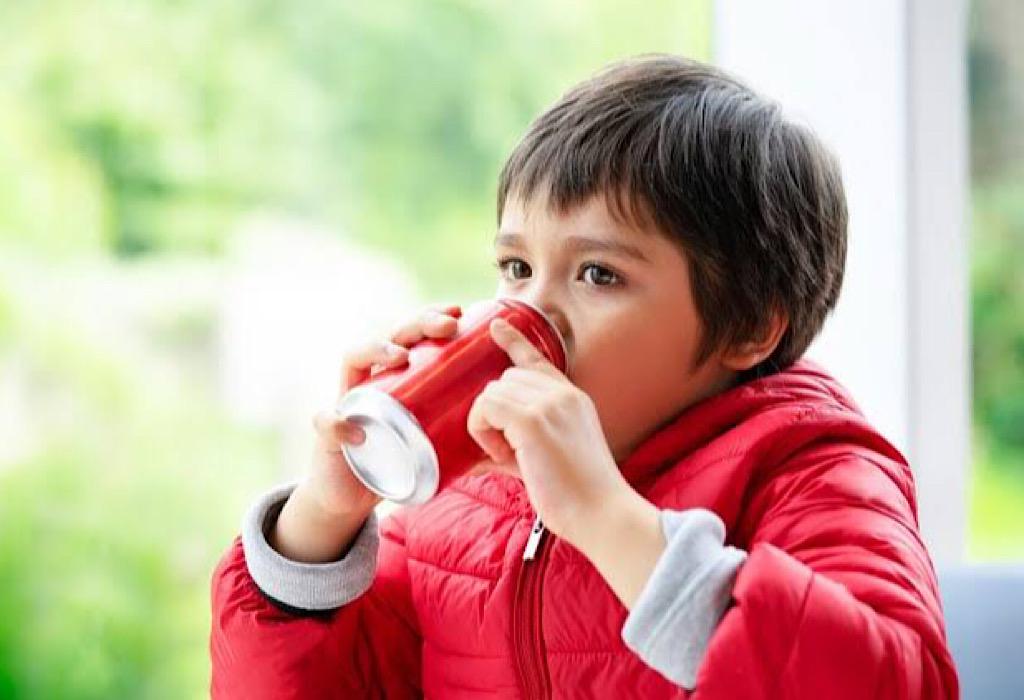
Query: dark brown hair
755	200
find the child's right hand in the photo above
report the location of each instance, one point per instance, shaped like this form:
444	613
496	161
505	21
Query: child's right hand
330	504
331	479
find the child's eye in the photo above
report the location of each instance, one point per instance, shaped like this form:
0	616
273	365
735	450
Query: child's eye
604	277
505	264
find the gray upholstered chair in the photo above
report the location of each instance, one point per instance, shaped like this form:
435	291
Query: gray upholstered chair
984	607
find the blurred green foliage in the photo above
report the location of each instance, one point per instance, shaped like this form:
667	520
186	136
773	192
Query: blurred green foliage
134	132
109	527
145	127
998	309
996	89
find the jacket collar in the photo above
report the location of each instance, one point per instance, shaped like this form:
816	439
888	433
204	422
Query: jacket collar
802	384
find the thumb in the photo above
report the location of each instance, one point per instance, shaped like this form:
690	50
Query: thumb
500	456
488	466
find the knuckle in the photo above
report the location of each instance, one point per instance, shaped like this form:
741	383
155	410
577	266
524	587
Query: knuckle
392	351
320	420
346	362
535	414
404	329
567	404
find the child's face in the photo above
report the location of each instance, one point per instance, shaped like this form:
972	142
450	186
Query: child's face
630	324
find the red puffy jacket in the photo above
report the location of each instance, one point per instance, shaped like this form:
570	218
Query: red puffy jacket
837	599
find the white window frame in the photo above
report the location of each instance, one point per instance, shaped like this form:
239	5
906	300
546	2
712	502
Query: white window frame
884	83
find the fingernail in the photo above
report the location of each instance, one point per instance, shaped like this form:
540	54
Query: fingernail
395	350
354	435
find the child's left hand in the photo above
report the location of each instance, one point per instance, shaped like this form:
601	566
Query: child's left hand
536	424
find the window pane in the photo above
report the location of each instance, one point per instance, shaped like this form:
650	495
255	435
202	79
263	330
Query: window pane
996	85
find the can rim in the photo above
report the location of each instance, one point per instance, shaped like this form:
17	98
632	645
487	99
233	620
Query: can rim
558	333
367	403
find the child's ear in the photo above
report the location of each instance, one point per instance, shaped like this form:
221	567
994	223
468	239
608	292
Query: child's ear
752	352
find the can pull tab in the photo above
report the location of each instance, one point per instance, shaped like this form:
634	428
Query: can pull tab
533	541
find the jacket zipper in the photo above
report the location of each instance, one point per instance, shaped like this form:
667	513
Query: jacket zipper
527	635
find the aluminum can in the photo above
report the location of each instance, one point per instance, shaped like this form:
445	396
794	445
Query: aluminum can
414	416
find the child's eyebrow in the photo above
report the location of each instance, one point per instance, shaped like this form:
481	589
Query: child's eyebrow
581	244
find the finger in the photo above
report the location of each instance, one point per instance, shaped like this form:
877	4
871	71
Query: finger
489	465
499	408
432	324
518	390
333	430
453	310
357	365
526	377
520	350
496	447
485	432
489	438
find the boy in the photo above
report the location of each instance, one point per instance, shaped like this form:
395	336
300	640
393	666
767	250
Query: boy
694	508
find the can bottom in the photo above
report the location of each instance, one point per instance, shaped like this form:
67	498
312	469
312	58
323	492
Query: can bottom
397	460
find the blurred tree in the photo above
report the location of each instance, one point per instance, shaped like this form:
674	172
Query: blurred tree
390	120
997	313
134	130
996	70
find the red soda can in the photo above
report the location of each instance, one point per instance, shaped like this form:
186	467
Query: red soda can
414	416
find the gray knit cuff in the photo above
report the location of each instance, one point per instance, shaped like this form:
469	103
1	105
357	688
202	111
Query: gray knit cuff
298	584
682	602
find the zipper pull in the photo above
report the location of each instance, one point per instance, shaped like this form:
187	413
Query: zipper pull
533	541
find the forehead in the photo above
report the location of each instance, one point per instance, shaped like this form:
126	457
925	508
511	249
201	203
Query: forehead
580	243
590	226
538	211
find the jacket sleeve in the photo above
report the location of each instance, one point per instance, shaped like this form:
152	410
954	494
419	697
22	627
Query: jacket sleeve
838	597
681	602
289	645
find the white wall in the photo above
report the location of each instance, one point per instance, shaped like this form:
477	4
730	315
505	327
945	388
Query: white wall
882	84
295	300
